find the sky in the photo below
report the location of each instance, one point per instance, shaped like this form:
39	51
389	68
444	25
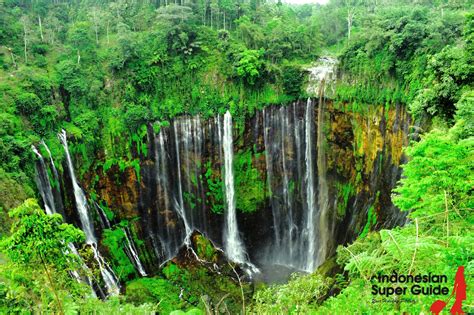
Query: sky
305	1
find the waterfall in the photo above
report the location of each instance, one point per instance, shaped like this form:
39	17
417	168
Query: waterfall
269	169
56	190
48	199
179	204
76	275
296	178
282	130
320	231
110	280
44	186
233	245
133	253
80	198
323	198
310	195
187	180
55	171
130	246
102	217
165	241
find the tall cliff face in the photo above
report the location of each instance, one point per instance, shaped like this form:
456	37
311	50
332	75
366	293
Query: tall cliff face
281	188
177	184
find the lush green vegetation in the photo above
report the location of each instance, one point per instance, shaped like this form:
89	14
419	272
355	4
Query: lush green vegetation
437	190
435	72
103	70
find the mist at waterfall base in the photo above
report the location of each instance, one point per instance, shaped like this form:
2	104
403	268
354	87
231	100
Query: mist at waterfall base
295	229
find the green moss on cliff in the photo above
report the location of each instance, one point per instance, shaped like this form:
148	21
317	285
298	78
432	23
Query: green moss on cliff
249	185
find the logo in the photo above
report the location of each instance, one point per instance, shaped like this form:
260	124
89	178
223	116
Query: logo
459	291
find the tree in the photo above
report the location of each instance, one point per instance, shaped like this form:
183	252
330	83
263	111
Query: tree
40	240
440	173
350	17
250	66
26	23
96	17
80	38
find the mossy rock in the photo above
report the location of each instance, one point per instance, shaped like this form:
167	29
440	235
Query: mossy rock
205	249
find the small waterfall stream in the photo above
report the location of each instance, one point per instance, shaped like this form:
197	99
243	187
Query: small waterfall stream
82	207
80	198
49	201
53	167
233	245
133	253
130	248
325	230
179	204
311	210
56	188
44	186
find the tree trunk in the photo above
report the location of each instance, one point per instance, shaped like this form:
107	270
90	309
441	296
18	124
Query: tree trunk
350	19
25	43
41	28
61	311
96	28
107	31
13	58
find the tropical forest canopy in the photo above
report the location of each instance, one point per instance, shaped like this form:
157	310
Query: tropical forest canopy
104	71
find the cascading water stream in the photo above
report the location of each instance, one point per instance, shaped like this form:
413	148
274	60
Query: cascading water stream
56	189
233	245
44	185
55	171
323	192
165	243
320	230
179	204
133	253
296	178
48	199
310	193
80	198
110	280
130	246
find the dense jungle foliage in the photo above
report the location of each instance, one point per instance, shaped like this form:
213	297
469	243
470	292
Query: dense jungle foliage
103	70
